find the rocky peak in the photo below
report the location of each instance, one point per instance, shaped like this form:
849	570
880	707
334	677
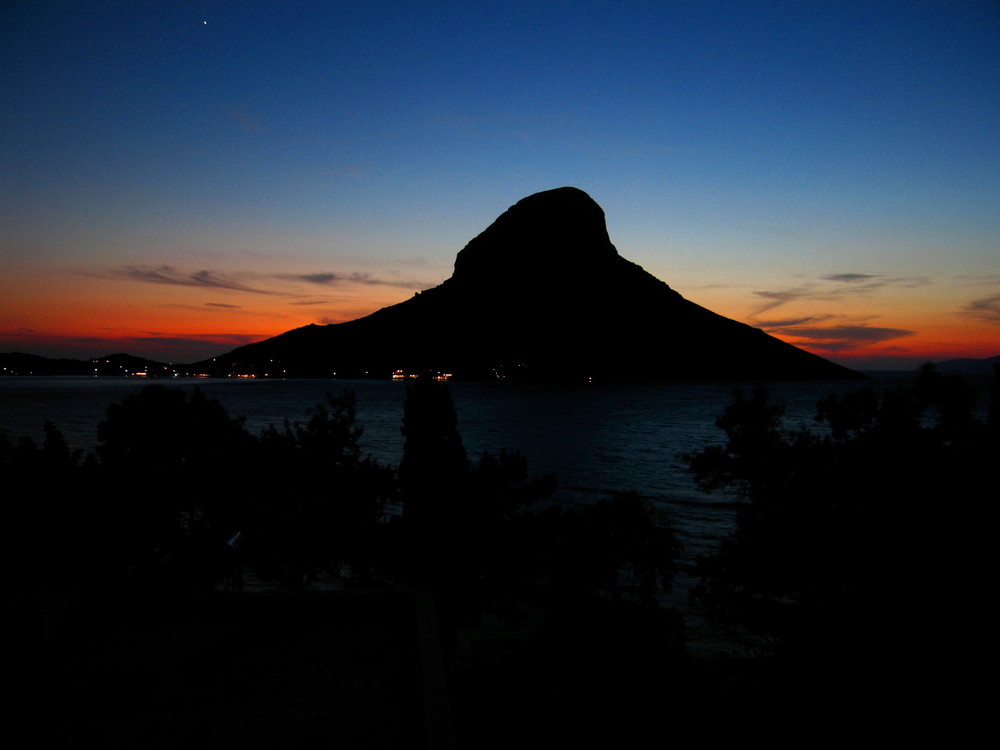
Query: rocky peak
552	234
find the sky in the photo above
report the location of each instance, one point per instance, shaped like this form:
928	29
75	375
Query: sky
181	178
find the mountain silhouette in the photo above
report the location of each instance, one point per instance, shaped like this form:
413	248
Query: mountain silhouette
541	294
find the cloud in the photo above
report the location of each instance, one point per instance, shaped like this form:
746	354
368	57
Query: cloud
318	278
847	285
986	308
365	278
174	277
854	333
909	282
980	279
840	338
789	322
870	281
849	278
357	277
222	304
781	297
252	283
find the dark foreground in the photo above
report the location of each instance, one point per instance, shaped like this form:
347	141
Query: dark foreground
347	669
331	669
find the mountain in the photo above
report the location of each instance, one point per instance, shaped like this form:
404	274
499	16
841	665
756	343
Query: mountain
541	294
983	366
18	363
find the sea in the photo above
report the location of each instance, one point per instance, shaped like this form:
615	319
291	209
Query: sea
597	439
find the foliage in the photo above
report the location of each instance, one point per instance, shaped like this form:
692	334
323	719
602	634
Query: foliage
321	503
160	432
434	471
501	484
180	477
190	477
842	533
50	524
331	433
621	550
461	526
174	467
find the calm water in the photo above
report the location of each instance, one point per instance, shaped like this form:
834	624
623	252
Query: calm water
597	439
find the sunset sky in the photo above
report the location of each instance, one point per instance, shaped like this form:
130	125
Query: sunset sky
180	178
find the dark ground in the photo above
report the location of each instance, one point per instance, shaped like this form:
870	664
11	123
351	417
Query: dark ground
357	669
310	669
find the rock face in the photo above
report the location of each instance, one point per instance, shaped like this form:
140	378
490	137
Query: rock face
541	294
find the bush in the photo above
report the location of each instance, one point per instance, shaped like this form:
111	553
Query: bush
856	545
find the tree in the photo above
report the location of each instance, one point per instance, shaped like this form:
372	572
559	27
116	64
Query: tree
620	550
321	502
50	526
174	468
434	471
851	543
187	477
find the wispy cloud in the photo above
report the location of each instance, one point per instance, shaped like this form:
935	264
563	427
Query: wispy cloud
908	282
986	308
980	279
849	278
174	277
789	322
330	278
842	285
841	334
779	297
222	304
877	280
254	283
317	278
841	338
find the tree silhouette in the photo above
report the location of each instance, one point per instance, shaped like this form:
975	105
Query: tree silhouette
190	477
51	526
179	467
438	512
621	549
321	503
851	544
434	468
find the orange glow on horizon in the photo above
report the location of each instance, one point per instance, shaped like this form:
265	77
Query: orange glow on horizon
932	343
85	317
82	317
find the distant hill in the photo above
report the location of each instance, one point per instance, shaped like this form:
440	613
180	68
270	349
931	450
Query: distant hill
541	294
18	363
969	366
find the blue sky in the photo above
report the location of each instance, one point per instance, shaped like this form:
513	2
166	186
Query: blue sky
179	178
